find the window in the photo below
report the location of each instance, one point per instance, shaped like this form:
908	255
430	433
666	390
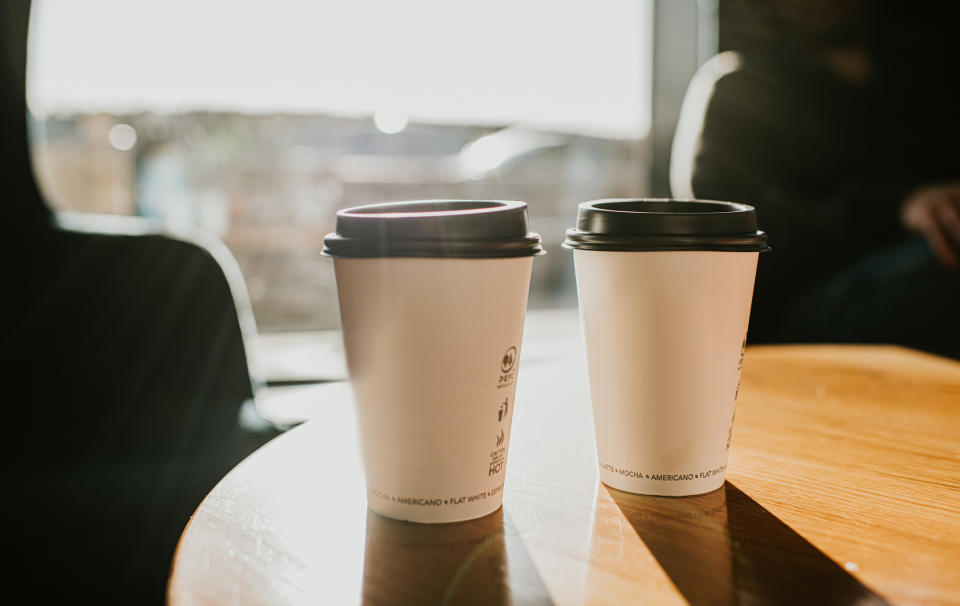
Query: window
258	121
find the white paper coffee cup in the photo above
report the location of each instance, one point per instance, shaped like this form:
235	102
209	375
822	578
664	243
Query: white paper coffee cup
432	324
665	289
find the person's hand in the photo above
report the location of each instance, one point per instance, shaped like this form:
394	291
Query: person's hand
934	212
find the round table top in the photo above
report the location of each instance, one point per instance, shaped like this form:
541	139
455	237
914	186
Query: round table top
842	487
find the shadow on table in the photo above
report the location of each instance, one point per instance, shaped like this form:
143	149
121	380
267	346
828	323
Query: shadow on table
481	561
725	548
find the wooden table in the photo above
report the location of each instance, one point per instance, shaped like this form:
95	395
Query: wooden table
843	487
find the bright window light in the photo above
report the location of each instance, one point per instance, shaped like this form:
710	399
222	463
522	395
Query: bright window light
577	67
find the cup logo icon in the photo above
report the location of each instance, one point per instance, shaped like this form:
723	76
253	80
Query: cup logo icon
508	360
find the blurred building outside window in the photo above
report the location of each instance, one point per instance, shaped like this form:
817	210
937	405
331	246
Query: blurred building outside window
258	121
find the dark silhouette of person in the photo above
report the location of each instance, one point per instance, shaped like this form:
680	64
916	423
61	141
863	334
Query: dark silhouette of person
124	375
837	121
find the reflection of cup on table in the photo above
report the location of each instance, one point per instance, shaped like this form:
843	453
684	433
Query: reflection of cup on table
432	301
665	288
482	561
449	564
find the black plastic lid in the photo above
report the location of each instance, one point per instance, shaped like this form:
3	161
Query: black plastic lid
664	224
434	228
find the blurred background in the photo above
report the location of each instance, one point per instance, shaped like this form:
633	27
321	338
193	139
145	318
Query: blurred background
258	122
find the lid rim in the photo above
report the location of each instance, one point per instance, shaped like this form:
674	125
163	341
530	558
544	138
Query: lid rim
600	202
578	240
363	212
336	245
442	228
665	224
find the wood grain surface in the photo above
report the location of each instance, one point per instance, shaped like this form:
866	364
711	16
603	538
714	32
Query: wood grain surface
843	488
